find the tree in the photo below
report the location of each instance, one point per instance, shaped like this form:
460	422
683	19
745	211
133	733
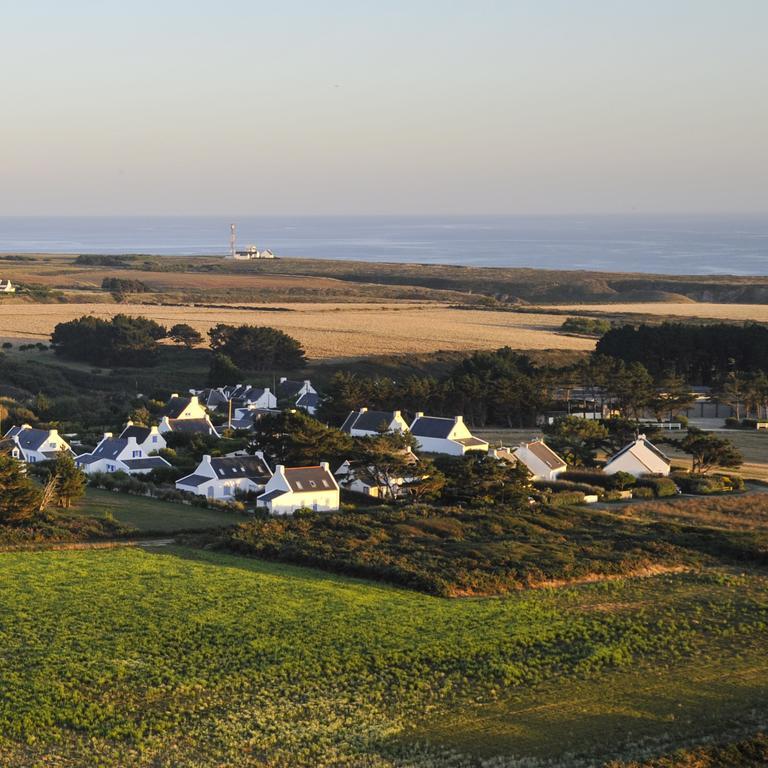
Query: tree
222	371
19	496
122	340
484	479
708	450
672	396
185	334
293	438
387	461
577	440
70	481
257	348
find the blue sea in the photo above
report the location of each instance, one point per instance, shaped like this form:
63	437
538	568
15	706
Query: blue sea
694	245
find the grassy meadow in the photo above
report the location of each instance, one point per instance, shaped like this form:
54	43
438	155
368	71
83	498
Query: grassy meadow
189	658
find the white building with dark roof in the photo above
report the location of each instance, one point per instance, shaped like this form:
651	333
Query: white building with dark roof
120	454
292	488
308	402
435	434
291	389
221	478
365	423
640	457
178	408
149	438
202	426
542	462
36	445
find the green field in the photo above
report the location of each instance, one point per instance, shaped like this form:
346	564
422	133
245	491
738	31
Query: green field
151	514
185	658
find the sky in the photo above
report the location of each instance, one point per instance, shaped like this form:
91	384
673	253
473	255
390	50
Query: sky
369	107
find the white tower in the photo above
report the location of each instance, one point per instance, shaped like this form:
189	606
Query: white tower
232	241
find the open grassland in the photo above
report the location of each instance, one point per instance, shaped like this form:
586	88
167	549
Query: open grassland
152	515
184	658
754	312
328	331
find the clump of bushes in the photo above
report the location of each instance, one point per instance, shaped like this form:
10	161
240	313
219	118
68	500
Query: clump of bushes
565	498
707	484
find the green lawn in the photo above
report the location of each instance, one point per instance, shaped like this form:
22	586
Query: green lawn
150	514
186	658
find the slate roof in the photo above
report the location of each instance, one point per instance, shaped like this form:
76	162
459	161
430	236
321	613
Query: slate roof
192	426
432	426
136	430
212	397
368	421
272	495
289	388
234	467
28	439
309	400
193	481
469	441
544	453
310	479
150	462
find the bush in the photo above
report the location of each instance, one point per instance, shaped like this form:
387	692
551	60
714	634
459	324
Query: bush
642	492
566	485
662	487
707	484
565	498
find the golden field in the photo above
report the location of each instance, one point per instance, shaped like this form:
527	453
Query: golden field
757	312
328	330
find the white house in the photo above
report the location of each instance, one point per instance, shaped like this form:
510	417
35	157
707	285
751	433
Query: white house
640	457
188	426
290	389
365	423
451	436
149	438
292	488
120	454
37	444
222	477
7	287
542	462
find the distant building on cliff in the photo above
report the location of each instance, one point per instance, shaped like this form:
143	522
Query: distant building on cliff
251	252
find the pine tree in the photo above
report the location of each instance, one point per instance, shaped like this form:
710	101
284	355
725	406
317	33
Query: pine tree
70	480
19	497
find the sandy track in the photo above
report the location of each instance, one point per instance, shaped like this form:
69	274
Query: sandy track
328	330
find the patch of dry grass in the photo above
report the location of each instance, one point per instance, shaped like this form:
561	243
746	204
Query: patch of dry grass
327	330
758	312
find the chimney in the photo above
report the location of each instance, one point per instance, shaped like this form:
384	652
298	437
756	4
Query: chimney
419	415
364	410
132	441
282	379
175	394
458	419
55	433
325	465
128	423
107	436
307	383
193	400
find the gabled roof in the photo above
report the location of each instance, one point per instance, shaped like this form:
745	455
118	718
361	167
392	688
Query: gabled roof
636	448
367	421
193	426
109	448
193	481
270	495
308	400
148	462
234	467
544	453
289	388
175	407
310	479
138	431
212	397
29	439
432	426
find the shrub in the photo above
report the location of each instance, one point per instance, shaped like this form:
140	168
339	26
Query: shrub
708	484
566	498
642	492
662	487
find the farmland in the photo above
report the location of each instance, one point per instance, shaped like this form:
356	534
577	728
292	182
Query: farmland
328	331
185	658
678	310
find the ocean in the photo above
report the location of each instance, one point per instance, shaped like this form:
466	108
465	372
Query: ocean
694	245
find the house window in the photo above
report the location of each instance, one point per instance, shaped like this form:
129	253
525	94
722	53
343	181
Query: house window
227	490
32	459
52	445
137	454
154	438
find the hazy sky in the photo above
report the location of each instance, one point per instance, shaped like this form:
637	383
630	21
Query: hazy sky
367	106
